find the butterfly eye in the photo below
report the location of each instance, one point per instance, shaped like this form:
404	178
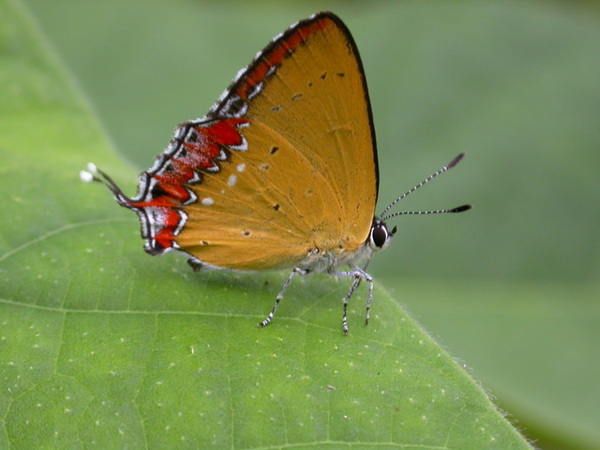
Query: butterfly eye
380	236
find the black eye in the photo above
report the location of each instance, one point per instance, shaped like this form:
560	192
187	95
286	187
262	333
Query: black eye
379	234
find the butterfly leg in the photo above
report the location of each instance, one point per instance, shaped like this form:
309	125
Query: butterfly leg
358	275
370	296
355	284
369	299
295	271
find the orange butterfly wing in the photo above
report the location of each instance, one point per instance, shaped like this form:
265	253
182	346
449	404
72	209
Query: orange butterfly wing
283	164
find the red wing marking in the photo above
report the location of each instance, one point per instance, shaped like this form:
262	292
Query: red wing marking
272	56
165	188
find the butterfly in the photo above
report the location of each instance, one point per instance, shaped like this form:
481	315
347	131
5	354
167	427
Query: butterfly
282	171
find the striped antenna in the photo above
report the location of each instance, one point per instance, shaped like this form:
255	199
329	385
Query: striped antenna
448	166
438	211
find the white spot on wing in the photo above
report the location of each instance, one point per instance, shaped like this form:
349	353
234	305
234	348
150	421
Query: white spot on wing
195	178
271	71
183	217
180	131
256	90
207	201
232	180
243	147
241	167
239	74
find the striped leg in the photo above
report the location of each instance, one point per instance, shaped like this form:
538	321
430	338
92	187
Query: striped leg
295	271
369	299
357	274
370	296
355	284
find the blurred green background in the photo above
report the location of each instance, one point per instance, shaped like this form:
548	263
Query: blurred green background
514	84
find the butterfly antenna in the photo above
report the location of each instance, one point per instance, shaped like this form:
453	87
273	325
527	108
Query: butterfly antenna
448	166
95	174
437	211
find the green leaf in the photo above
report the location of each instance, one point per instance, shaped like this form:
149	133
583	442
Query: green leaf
103	346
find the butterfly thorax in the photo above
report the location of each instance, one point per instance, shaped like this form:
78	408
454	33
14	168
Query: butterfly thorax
323	260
